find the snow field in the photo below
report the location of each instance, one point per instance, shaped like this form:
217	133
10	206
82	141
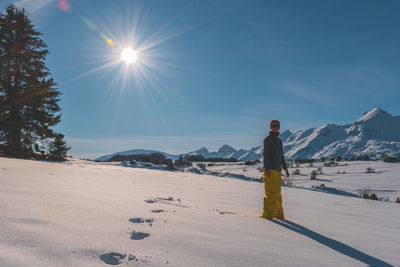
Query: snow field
81	213
348	177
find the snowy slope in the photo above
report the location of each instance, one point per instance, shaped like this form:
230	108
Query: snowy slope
348	177
96	214
374	134
306	144
252	154
285	134
376	124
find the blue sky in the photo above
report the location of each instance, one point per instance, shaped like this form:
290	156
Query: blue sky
215	72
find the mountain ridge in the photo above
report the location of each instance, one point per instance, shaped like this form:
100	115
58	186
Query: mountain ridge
375	133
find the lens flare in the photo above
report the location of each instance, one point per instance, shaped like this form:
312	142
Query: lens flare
63	5
90	24
110	42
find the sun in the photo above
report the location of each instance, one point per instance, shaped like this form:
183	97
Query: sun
128	55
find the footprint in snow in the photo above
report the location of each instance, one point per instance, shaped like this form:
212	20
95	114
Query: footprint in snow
224	212
141	221
168	200
157	211
112	258
115	258
136	220
161	199
139	235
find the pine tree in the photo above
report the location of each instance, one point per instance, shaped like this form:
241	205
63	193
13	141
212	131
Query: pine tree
58	148
28	95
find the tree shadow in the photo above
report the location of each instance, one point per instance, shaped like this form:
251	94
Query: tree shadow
333	244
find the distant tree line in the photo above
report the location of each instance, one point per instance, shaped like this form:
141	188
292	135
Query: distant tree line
387	158
160	159
200	158
252	162
155	158
28	95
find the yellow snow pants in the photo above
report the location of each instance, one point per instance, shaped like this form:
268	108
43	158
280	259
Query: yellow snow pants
272	206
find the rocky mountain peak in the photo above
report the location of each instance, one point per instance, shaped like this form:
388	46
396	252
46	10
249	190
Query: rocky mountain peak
202	150
374	114
225	149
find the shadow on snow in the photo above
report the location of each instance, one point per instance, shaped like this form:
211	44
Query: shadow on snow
333	244
330	190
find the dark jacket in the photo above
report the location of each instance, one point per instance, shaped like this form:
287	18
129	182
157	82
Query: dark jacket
273	153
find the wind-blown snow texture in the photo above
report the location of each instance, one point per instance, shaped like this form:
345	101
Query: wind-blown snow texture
82	213
374	134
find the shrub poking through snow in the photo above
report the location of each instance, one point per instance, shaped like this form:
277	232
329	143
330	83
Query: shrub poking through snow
319	170
321	186
313	175
202	166
296	172
364	193
366	196
398	200
373	196
288	182
369	170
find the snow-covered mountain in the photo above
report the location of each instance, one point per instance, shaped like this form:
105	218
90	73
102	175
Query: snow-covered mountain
223	152
375	133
